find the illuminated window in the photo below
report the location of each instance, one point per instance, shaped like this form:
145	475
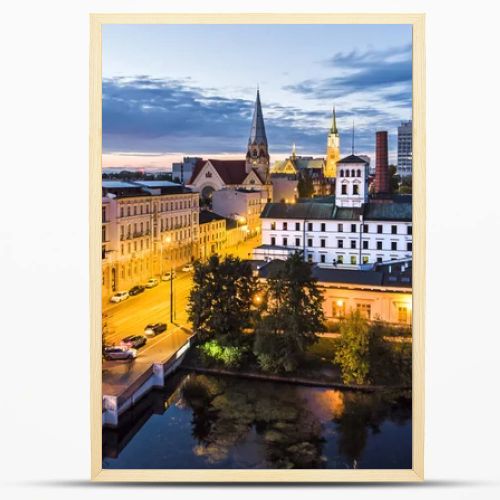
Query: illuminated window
338	308
340	259
403	314
365	310
365	259
353	260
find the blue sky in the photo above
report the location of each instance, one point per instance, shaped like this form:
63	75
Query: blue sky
175	90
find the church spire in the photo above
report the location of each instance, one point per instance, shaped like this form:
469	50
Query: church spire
257	152
333	129
258	130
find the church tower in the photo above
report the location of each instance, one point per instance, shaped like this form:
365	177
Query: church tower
257	154
332	149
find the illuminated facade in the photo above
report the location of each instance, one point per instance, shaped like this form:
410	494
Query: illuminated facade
332	149
212	234
147	226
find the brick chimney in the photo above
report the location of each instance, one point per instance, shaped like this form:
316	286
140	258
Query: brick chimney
382	164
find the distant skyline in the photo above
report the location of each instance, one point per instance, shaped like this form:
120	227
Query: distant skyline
188	90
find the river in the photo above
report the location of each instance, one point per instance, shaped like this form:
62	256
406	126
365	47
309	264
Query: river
207	422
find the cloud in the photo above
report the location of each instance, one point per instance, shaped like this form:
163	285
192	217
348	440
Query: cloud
144	114
375	71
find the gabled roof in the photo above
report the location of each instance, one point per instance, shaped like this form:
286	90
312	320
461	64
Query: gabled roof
230	171
352	159
196	170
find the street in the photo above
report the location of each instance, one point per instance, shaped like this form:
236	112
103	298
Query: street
131	316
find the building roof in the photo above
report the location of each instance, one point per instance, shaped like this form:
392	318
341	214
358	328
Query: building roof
232	172
389	274
206	216
297	211
258	130
127	189
352	159
399	210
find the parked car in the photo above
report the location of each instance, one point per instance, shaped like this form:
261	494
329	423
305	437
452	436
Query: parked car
119	352
168	276
154	329
188	268
136	290
134	341
152	282
119	296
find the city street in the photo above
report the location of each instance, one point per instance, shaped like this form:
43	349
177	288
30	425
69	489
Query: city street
131	316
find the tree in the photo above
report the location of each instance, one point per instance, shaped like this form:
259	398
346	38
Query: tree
305	185
220	302
291	314
353	354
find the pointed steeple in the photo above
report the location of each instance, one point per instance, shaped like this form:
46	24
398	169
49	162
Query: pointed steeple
258	130
333	129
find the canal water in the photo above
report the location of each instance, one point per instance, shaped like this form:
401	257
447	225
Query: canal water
207	422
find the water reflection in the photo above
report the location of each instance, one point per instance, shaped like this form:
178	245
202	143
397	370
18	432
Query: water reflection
218	422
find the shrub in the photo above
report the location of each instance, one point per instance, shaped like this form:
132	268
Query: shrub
213	352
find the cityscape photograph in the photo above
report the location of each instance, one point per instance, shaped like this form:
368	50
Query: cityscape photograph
257	246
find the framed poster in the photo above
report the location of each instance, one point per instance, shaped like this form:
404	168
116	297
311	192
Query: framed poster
257	236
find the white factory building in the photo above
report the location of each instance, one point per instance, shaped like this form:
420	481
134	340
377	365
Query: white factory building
350	229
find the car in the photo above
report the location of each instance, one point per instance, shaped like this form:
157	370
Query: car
151	283
119	296
168	276
134	341
119	352
188	268
136	290
154	329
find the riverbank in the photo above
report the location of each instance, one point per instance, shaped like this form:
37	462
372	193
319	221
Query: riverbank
289	379
391	372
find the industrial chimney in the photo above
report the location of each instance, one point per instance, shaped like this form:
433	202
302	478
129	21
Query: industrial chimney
382	164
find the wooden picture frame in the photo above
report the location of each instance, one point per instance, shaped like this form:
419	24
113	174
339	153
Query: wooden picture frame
303	476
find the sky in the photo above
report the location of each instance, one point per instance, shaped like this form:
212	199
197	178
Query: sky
189	90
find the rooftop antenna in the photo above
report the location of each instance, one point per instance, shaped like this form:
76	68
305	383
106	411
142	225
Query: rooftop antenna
353	137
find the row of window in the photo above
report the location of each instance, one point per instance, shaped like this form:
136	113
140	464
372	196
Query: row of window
354	228
355	189
340	244
143	208
339	311
350	173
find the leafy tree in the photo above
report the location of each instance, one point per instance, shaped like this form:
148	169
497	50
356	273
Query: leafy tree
305	185
220	302
353	353
291	314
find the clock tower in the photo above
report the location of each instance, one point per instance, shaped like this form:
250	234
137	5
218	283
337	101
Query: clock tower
332	149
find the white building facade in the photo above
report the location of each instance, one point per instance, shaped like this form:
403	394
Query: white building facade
349	231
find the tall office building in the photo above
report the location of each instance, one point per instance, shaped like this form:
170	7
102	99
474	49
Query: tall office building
405	149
